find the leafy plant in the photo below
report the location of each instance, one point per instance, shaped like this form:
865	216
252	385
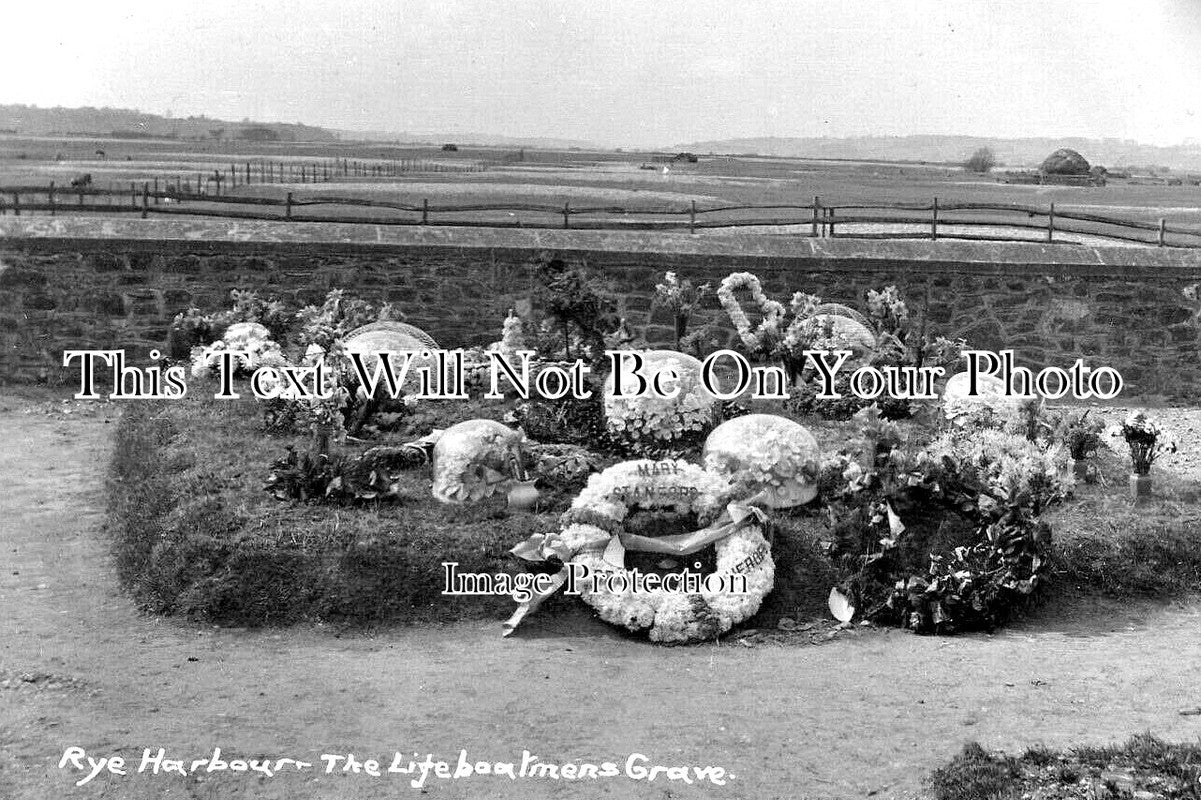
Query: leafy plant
337	316
319	477
943	538
193	327
1080	435
573	303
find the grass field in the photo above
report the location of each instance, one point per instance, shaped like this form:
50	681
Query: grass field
641	183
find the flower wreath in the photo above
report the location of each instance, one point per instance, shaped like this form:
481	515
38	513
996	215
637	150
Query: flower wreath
592	536
768	332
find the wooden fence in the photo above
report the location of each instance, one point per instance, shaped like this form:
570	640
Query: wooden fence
932	221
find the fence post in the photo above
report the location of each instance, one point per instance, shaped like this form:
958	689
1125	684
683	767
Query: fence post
145	199
567	214
692	218
81	196
831	215
133	194
817	203
1163	229
50	198
16	204
288	206
156	191
934	222
425	211
247	173
1051	224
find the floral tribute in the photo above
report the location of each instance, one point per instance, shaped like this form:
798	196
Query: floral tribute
593	540
391	337
784	335
989	407
250	337
648	423
765	456
943	538
682	299
474	460
1144	440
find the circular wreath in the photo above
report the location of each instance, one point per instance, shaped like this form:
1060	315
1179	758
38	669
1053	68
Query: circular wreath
596	519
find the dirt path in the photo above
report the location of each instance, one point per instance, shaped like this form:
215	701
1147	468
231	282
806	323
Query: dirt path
866	714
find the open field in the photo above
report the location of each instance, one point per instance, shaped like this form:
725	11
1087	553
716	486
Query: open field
642	186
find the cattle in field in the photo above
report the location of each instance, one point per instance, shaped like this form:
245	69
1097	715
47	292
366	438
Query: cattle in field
82	181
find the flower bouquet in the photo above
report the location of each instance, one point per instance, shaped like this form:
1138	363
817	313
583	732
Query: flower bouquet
1146	441
682	299
1082	438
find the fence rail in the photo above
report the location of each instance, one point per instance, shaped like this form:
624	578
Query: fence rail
916	220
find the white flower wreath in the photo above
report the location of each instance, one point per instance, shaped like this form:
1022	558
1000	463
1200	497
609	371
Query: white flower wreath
592	532
768	331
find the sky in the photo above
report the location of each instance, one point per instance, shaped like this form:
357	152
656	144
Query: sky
626	72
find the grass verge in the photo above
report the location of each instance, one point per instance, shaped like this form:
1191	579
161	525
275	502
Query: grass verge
194	534
1142	767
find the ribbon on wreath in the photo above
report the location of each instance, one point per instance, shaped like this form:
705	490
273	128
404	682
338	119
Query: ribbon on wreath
541	548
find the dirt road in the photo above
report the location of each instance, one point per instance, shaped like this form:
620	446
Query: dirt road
867	714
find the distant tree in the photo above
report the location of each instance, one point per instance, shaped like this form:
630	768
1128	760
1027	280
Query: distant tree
983	160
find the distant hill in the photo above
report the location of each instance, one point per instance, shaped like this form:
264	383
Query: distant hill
125	123
955	149
470	139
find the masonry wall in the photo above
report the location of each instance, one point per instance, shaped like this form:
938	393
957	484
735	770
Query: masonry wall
71	285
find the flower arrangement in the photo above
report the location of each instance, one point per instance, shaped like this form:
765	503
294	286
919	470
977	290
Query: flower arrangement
247	337
1145	440
888	310
337	316
577	310
992	408
1079	434
193	328
767	456
324	414
944	537
512	337
648	423
764	340
1012	467
682	299
594	522
474	460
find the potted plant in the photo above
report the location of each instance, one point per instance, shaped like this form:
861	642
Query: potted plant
1146	441
1081	436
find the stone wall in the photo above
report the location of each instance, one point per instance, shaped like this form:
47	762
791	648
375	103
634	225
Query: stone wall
75	284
